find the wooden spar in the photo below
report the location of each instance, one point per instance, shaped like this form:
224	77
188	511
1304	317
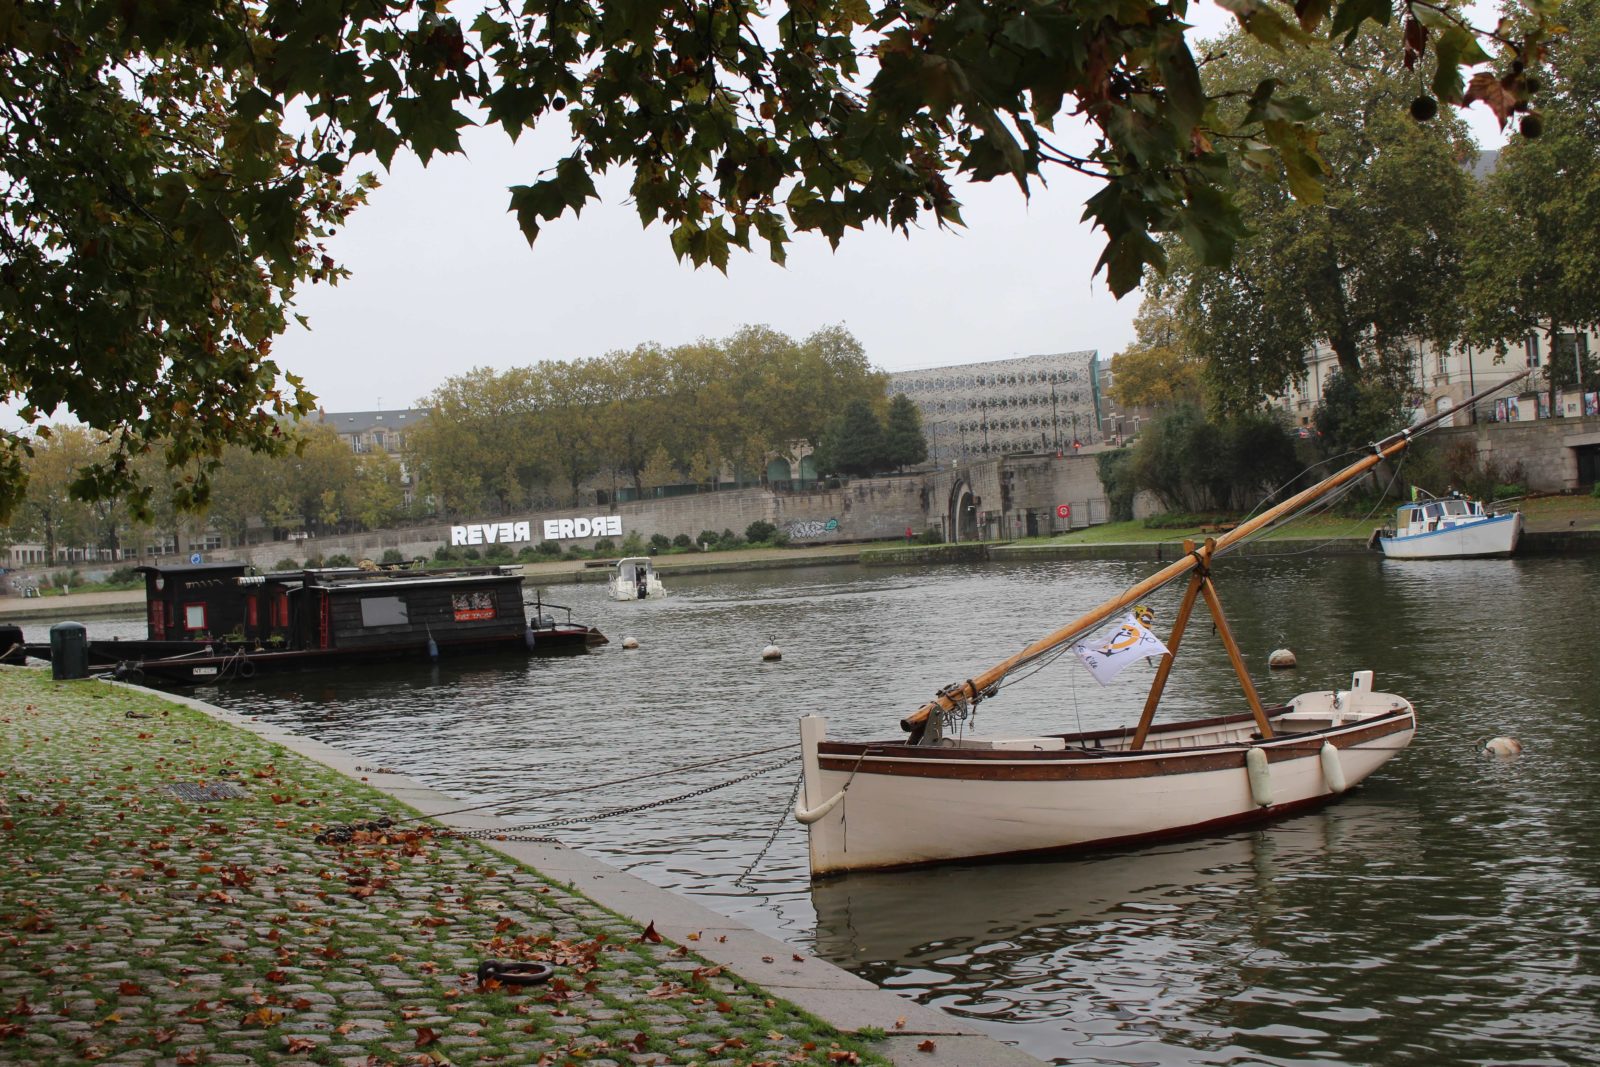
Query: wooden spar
969	690
1209	591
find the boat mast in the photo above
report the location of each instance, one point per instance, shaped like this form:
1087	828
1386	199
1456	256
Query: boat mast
976	688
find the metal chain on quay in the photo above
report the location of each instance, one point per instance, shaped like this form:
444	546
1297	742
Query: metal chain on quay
342	833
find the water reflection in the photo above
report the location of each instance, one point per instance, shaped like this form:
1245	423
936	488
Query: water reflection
1443	914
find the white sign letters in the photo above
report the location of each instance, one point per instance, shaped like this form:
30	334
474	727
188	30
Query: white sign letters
599	526
506	533
490	533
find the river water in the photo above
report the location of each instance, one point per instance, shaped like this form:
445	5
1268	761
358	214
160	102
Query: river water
1443	913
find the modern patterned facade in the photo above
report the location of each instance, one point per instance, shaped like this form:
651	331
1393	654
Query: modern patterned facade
1044	403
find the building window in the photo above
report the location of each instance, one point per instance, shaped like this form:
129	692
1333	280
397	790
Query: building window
1531	346
194	617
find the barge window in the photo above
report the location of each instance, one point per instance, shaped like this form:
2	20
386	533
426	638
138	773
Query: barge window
384	611
194	616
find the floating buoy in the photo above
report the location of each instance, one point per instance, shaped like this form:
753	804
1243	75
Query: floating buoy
772	652
1503	747
1280	659
630	642
433	648
1260	774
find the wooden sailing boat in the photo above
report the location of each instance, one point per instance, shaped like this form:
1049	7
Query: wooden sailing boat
933	797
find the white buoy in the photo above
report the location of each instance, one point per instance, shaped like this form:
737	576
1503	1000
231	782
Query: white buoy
772	652
1280	659
1503	747
630	642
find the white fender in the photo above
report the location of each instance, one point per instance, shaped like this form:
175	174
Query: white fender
1255	765
1332	769
810	815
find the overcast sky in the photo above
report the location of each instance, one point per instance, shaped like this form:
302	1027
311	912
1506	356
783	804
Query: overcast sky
443	281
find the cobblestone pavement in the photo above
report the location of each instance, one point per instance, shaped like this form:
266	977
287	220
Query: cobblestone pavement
141	927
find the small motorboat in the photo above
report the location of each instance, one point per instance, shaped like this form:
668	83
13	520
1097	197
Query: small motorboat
635	579
1451	527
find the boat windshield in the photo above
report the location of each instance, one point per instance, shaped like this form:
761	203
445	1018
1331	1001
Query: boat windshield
1457	507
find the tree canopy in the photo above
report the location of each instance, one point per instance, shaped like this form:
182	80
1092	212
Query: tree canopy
1368	271
645	417
169	168
1534	250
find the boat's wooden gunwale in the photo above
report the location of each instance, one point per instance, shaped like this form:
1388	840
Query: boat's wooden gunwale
896	759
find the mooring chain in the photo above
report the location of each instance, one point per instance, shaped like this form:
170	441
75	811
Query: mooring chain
341	834
783	820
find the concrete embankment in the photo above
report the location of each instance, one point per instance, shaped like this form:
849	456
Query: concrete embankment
172	895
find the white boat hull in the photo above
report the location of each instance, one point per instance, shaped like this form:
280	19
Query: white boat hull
1496	535
898	805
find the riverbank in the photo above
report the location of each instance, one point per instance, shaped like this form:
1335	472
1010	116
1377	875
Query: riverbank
169	900
1555	526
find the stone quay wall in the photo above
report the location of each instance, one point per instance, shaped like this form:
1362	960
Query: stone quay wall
1547	449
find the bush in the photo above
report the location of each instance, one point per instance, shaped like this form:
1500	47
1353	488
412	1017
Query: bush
549	548
660	542
289	564
728	539
314	561
446	554
759	531
471	552
1117	475
528	554
576	552
125	576
681	541
605	545
392	556
339	559
929	537
1508	490
707	537
633	544
497	553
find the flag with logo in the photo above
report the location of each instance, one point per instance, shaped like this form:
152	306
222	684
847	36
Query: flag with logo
1132	640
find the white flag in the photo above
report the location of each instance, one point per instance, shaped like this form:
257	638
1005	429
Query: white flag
1131	640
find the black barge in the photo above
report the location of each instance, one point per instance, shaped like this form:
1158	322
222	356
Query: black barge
212	622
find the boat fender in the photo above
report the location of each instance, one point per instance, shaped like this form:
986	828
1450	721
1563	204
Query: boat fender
1255	765
433	649
807	816
1332	769
528	638
247	669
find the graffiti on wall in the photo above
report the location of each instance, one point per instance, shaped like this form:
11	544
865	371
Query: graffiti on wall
806	529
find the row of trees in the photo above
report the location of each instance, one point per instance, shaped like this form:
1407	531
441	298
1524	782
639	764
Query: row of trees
323	487
501	441
1406	246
